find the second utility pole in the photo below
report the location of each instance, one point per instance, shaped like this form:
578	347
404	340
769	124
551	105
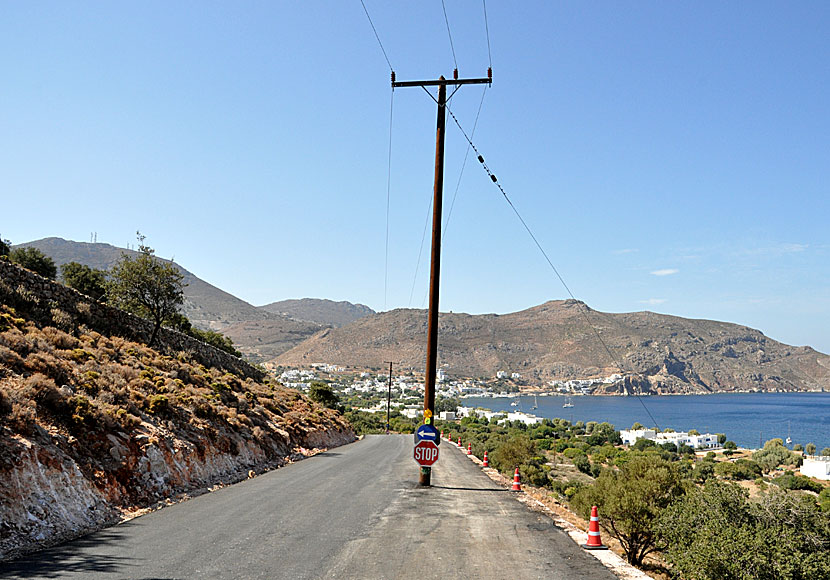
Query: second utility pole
435	267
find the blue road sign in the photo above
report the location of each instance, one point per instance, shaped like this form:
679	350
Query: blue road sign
427	433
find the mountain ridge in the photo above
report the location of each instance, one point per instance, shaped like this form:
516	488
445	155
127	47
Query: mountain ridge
258	333
658	353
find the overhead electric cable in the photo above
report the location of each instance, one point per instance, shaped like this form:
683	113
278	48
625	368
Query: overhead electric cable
487	29
493	178
464	163
420	251
447	20
372	24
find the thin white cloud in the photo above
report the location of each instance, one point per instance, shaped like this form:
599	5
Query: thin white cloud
775	250
625	251
653	301
665	272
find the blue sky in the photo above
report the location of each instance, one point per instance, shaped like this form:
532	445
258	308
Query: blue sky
669	157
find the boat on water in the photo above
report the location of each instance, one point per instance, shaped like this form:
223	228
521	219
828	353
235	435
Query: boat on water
535	403
568	404
514	404
788	439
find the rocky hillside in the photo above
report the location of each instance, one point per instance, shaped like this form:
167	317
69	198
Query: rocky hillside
323	312
659	353
96	427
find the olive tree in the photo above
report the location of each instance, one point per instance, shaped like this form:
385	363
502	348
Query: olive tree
718	533
630	499
34	260
89	281
146	286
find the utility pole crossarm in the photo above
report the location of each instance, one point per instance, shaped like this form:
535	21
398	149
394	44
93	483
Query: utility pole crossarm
442	82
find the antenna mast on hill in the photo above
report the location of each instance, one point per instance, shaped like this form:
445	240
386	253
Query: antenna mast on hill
435	264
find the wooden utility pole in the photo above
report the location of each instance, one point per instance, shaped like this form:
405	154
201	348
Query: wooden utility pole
435	267
388	398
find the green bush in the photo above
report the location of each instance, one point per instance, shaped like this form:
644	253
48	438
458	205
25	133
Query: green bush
34	260
512	453
158	404
790	481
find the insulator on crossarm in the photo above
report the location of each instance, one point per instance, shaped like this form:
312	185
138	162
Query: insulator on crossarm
490	73
455	74
393	77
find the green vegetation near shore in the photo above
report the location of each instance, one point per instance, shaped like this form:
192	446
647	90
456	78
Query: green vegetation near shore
705	516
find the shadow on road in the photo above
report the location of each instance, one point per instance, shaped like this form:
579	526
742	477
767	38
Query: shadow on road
77	556
471	488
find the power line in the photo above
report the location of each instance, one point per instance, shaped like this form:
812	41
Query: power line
452	204
464	163
493	178
447	20
372	24
487	29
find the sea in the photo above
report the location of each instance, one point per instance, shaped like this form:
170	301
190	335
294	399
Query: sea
748	419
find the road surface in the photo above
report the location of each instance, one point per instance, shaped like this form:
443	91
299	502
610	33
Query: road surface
353	512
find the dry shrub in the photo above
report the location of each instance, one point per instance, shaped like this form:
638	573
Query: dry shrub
10	358
5	405
91	338
42	390
62	319
22	417
113	376
47	364
60	339
14	339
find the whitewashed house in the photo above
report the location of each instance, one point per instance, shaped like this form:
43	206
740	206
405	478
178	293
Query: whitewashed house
630	436
702	441
818	467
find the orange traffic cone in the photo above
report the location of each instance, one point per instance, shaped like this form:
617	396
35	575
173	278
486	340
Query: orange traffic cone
449	436
459	441
442	433
594	541
469	448
486	463
517	486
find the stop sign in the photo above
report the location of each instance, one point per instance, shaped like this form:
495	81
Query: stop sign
426	453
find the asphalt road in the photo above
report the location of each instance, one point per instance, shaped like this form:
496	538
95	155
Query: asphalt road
354	512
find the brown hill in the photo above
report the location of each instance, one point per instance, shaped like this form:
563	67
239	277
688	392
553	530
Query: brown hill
205	305
262	340
658	353
325	312
259	334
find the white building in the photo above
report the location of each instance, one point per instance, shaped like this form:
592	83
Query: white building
818	467
501	375
703	441
630	436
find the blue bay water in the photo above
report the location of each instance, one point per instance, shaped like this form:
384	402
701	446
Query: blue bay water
745	418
